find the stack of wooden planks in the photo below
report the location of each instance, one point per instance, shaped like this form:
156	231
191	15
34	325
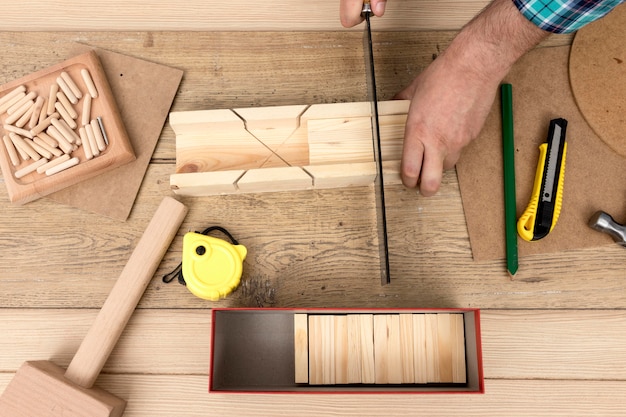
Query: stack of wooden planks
404	348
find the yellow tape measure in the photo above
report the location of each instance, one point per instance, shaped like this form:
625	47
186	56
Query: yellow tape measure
211	268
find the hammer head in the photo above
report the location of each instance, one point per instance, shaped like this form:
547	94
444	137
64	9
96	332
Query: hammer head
603	222
40	389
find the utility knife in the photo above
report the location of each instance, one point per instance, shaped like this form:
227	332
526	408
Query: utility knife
544	207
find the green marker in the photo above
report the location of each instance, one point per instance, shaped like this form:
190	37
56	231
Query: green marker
508	148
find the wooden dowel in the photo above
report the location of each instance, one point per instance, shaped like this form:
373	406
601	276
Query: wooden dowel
98	134
64	144
27	98
86	113
91	87
52	98
85	141
39	149
65	130
66	90
18	130
23	155
11	94
22	121
63	166
62	98
48	139
19	142
43	125
13	155
5	106
71	84
53	150
20	173
54	162
34	117
92	140
60	108
16	114
43	113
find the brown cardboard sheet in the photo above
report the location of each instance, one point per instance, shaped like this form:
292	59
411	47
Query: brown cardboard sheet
595	176
598	76
134	82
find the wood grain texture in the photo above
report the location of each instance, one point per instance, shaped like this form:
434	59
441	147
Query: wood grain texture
553	340
284	15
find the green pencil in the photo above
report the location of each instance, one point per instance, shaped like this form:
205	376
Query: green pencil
508	148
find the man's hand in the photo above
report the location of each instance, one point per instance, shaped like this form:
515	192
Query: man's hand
451	99
350	11
449	105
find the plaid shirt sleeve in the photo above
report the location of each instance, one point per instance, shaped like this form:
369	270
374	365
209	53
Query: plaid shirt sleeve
564	16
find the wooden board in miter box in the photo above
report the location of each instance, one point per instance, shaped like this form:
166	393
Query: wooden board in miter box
59	126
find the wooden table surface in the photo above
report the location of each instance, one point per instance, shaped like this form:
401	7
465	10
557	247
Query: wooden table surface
553	338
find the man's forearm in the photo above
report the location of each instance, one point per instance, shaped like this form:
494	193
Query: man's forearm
490	43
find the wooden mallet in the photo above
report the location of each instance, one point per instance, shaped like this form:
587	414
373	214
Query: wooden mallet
43	389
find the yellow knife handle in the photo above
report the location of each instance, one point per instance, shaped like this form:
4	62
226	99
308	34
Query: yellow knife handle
526	223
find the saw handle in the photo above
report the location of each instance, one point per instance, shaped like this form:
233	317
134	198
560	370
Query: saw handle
126	293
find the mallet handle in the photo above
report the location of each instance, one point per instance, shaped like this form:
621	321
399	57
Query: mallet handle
126	293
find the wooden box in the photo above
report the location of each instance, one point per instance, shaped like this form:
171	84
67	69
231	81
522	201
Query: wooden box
77	121
328	350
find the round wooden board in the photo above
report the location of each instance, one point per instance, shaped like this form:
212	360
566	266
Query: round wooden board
597	68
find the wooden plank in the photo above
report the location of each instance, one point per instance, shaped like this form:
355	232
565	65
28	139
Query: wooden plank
163	395
445	346
387	351
341	349
432	348
406	348
420	361
368	365
459	370
301	347
354	349
285	15
321	349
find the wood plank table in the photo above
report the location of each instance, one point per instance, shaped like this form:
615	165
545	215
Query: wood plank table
553	339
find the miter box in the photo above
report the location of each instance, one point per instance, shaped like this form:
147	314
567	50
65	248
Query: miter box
339	350
284	148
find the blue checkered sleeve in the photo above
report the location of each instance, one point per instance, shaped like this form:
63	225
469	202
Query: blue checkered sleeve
564	16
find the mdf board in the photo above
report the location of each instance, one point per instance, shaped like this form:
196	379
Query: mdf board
61	115
284	148
345	350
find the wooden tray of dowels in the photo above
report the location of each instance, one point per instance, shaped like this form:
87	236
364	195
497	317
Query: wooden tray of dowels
59	126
